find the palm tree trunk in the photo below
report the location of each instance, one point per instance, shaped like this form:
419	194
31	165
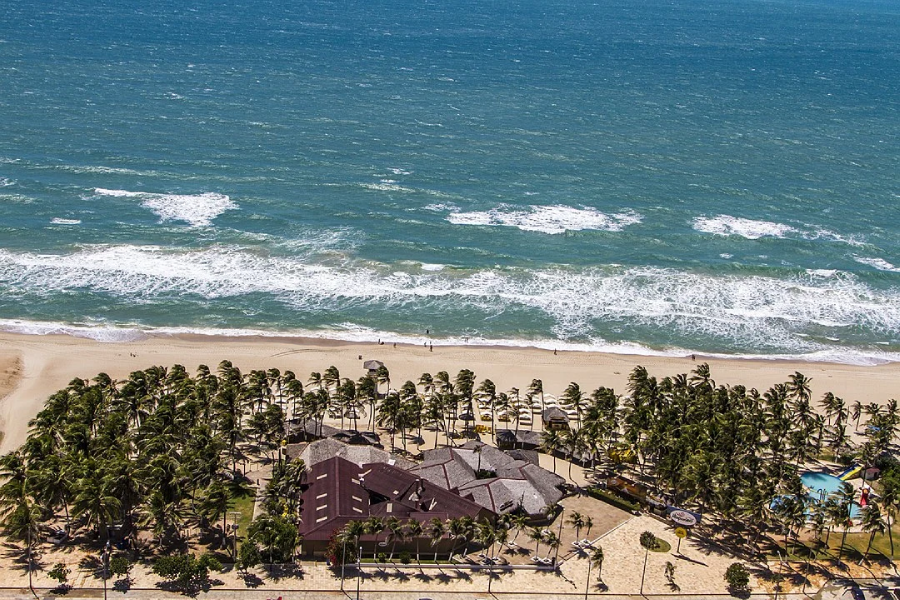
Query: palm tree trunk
891	530
869	546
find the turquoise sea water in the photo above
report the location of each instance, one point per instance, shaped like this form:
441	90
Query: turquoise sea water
663	176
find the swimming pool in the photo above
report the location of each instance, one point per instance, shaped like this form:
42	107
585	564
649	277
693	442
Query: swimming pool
822	485
821	482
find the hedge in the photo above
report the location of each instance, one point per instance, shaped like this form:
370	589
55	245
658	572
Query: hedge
613	499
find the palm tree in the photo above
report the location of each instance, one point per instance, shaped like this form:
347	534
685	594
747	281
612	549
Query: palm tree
486	535
553	542
537	387
890	500
396	533
856	411
576	520
382	375
436	531
574	397
845	501
595	558
488	390
94	501
872	523
414	530
551	442
374	526
536	535
648	541
456	528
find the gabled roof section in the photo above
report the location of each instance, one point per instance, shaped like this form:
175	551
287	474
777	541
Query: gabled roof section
517	481
334	496
322	450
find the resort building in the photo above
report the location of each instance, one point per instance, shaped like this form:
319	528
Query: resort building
341	491
492	478
322	450
554	419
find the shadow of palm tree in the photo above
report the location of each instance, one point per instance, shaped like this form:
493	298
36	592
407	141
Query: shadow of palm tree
284	571
443	578
423	576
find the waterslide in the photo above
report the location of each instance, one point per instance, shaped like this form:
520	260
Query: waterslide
850	473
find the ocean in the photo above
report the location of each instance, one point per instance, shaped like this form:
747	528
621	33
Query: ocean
662	177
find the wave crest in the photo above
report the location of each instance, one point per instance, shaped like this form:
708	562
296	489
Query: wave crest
198	210
554	219
759	312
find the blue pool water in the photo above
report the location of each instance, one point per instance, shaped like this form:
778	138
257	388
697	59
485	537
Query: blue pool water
819	482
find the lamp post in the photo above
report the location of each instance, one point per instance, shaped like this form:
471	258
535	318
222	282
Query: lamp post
556	556
358	570
587	584
343	559
105	557
30	563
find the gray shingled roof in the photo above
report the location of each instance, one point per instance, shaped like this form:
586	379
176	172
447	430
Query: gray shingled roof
554	414
322	450
517	481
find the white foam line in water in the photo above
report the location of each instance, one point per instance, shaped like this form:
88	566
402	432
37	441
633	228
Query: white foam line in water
749	311
877	263
197	209
727	225
747	228
547	219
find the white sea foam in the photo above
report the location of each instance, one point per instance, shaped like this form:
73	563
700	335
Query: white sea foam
387	185
745	311
197	209
747	228
753	230
441	207
5	182
821	272
547	219
351	332
117	193
58	221
878	263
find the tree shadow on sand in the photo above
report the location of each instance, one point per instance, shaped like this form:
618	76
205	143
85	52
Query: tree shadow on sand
277	572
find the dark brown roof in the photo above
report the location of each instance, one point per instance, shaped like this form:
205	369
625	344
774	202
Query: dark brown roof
340	491
333	497
417	495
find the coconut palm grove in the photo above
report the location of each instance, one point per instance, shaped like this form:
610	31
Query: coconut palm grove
169	463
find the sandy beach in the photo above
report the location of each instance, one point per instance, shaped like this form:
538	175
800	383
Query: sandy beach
33	367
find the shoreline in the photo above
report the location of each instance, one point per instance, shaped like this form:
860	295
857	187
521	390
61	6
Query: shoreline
46	363
132	334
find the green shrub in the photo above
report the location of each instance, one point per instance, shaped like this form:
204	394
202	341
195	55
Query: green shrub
405	557
248	556
186	571
119	566
737	577
610	498
382	557
60	573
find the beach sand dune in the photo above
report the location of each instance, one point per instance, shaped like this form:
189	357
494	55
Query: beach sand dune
33	367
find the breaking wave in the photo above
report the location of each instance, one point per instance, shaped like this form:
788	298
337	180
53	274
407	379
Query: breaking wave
198	210
773	315
547	219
